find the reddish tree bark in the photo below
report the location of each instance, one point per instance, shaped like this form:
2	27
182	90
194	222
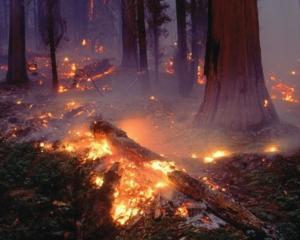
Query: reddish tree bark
236	96
16	73
129	34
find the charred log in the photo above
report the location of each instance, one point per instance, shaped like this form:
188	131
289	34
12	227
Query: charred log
221	204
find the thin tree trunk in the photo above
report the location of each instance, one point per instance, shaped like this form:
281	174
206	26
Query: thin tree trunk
236	96
50	7
17	73
198	39
129	34
185	85
143	60
195	40
156	53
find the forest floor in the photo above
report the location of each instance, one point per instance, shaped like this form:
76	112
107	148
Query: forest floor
45	192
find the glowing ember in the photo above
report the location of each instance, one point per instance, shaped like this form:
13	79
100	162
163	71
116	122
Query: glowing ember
153	98
182	211
200	75
83	42
272	149
98	181
169	67
286	92
266	103
62	89
212	185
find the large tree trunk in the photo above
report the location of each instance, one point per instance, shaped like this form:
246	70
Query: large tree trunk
129	34
17	73
185	84
236	96
143	60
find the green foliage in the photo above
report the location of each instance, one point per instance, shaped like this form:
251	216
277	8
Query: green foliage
37	198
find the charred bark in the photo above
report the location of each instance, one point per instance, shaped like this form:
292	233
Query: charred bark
52	45
143	58
16	73
222	205
236	97
129	34
185	84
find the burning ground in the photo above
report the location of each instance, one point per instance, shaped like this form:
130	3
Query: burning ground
74	184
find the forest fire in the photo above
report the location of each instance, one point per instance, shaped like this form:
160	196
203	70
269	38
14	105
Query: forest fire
215	155
147	121
287	93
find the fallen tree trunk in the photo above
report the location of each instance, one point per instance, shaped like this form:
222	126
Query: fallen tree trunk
217	201
221	204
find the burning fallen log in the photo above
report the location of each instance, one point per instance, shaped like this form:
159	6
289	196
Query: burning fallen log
122	144
93	71
221	204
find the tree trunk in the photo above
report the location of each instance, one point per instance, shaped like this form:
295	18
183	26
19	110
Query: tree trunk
156	52
129	34
236	96
143	60
198	39
81	19
52	45
185	84
17	73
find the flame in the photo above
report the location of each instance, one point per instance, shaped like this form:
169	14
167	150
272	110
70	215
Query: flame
215	155
99	149
182	211
135	191
163	166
